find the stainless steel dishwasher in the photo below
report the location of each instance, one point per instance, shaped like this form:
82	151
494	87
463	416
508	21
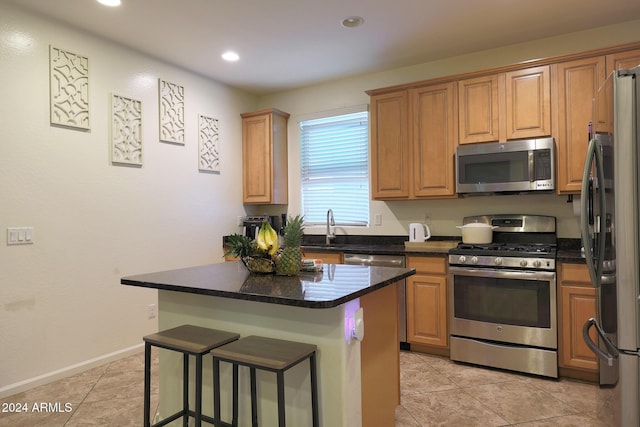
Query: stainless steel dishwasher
387	261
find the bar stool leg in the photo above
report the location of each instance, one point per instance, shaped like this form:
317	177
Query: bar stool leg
216	392
314	390
234	421
281	415
254	398
185	389
198	390
147	384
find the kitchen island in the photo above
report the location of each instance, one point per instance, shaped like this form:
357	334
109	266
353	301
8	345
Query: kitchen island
358	381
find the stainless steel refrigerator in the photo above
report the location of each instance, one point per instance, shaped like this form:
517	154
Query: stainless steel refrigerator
611	234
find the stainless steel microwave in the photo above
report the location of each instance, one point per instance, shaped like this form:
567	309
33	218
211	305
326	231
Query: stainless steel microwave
503	167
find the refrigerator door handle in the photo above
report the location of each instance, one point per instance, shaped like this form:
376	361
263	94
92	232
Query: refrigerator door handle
587	212
613	351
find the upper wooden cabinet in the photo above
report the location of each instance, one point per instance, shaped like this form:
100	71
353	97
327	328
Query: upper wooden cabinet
528	103
628	59
264	157
413	140
434	140
478	111
511	105
575	85
390	146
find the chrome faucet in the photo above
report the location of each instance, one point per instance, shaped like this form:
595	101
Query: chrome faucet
330	222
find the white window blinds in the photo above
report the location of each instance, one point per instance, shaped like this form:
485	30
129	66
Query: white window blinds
335	169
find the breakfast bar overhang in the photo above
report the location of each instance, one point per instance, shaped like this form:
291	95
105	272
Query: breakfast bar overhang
358	381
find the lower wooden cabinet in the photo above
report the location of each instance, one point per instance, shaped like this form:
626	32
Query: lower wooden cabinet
326	257
576	304
427	302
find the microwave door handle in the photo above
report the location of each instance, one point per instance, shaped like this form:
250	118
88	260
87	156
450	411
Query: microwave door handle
613	351
531	166
585	213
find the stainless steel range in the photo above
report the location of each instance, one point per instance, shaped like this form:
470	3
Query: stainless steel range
502	296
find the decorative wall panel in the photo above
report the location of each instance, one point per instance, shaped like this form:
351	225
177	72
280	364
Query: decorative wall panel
208	142
171	112
69	89
126	130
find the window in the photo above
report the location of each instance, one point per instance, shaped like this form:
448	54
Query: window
335	169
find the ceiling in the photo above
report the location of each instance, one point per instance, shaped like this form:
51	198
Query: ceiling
284	44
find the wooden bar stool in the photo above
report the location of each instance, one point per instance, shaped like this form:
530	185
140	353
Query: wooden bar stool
267	354
188	340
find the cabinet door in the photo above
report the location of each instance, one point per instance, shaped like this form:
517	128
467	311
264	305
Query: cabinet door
628	59
528	103
576	85
264	157
426	310
434	140
256	159
326	257
478	109
390	146
577	305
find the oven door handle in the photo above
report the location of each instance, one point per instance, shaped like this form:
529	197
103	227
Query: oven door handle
502	273
613	351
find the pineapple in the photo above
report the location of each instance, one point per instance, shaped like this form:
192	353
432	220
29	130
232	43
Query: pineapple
289	259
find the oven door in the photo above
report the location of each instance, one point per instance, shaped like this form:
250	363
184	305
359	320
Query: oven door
508	306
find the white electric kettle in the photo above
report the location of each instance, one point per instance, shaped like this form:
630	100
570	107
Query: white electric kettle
419	232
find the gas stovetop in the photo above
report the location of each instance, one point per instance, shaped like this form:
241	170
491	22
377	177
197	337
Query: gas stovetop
519	241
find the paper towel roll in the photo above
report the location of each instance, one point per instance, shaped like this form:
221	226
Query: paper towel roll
576	205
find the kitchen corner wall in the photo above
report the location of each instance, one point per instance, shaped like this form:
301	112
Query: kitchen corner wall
444	214
62	308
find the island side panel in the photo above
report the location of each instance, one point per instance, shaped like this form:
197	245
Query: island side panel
339	380
380	357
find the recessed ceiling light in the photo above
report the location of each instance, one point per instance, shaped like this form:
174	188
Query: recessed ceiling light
352	21
230	56
111	3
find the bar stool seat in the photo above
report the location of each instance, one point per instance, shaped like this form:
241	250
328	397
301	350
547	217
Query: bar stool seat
188	340
266	354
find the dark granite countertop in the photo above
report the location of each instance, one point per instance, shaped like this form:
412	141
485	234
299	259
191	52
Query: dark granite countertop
334	286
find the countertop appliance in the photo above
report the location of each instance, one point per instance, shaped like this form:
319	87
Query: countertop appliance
506	167
251	224
609	222
419	232
388	261
502	296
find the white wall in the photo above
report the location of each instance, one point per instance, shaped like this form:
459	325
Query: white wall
62	307
444	214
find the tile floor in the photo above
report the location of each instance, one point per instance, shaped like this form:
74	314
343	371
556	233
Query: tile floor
435	392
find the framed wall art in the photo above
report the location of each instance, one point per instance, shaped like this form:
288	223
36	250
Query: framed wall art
208	144
68	89
126	130
171	101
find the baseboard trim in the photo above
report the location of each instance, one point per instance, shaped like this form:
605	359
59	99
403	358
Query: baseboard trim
68	371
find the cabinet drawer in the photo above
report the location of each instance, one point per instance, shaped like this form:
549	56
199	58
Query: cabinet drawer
574	273
424	264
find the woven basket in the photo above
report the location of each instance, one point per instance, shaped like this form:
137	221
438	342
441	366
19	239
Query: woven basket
259	265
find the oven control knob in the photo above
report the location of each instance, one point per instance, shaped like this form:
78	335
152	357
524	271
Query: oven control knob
523	263
498	261
474	260
462	259
537	263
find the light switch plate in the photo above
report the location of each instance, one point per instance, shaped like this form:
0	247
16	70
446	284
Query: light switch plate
19	235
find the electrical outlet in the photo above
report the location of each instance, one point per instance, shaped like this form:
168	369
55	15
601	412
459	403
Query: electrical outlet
377	219
151	311
427	219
